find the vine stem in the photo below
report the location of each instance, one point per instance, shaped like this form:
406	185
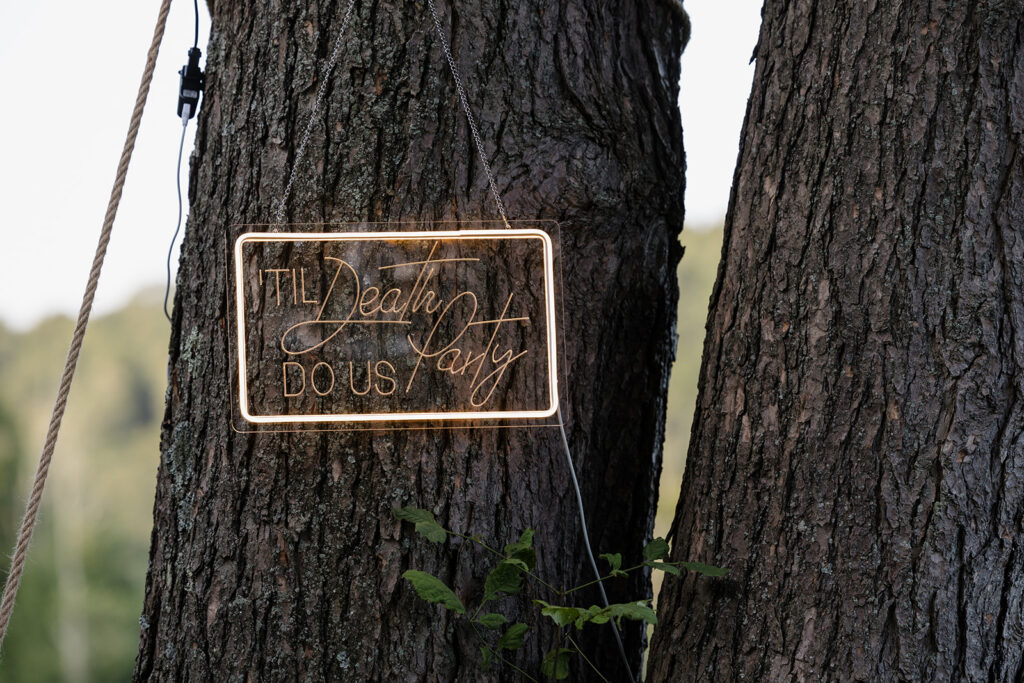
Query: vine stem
558	647
477	612
585	659
595	581
611	576
475	539
498	653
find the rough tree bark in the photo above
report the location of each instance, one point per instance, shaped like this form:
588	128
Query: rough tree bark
275	556
857	454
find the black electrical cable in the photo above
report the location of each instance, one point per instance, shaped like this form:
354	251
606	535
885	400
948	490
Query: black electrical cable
195	40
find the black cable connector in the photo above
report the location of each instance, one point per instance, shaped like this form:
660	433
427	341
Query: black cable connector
190	88
193	80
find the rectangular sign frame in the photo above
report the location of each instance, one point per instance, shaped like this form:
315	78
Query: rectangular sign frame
551	332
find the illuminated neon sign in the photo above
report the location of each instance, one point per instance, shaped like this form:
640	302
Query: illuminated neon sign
395	326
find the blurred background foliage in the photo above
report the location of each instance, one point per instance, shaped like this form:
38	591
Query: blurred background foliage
77	614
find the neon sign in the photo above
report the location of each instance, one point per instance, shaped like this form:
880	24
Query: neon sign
395	326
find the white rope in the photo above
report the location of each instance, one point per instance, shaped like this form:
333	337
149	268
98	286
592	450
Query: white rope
28	522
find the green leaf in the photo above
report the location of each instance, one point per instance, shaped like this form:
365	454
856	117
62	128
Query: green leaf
614	561
525	541
505	578
636	611
705	569
426	525
432	589
485	658
492	621
656	550
513	637
667	568
556	663
563	616
596	615
515	562
522	550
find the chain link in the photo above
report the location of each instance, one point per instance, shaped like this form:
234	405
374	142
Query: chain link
469	114
325	79
279	218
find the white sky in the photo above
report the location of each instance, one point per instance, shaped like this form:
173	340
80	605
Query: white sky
70	73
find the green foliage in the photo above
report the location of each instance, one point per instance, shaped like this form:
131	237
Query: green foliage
506	577
562	616
492	621
637	611
656	550
426	525
10	459
556	663
513	637
578	616
614	560
667	568
432	589
522	551
515	564
77	615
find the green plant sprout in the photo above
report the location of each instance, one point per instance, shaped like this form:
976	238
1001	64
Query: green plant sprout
518	561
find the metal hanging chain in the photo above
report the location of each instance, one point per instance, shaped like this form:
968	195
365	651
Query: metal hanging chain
28	522
324	80
279	215
469	114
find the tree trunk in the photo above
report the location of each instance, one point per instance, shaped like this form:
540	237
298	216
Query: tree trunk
857	456
275	555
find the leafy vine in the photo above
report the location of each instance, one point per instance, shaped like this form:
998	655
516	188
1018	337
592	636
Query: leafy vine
517	562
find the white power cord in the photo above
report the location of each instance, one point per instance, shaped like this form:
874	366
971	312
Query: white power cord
586	539
177	229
